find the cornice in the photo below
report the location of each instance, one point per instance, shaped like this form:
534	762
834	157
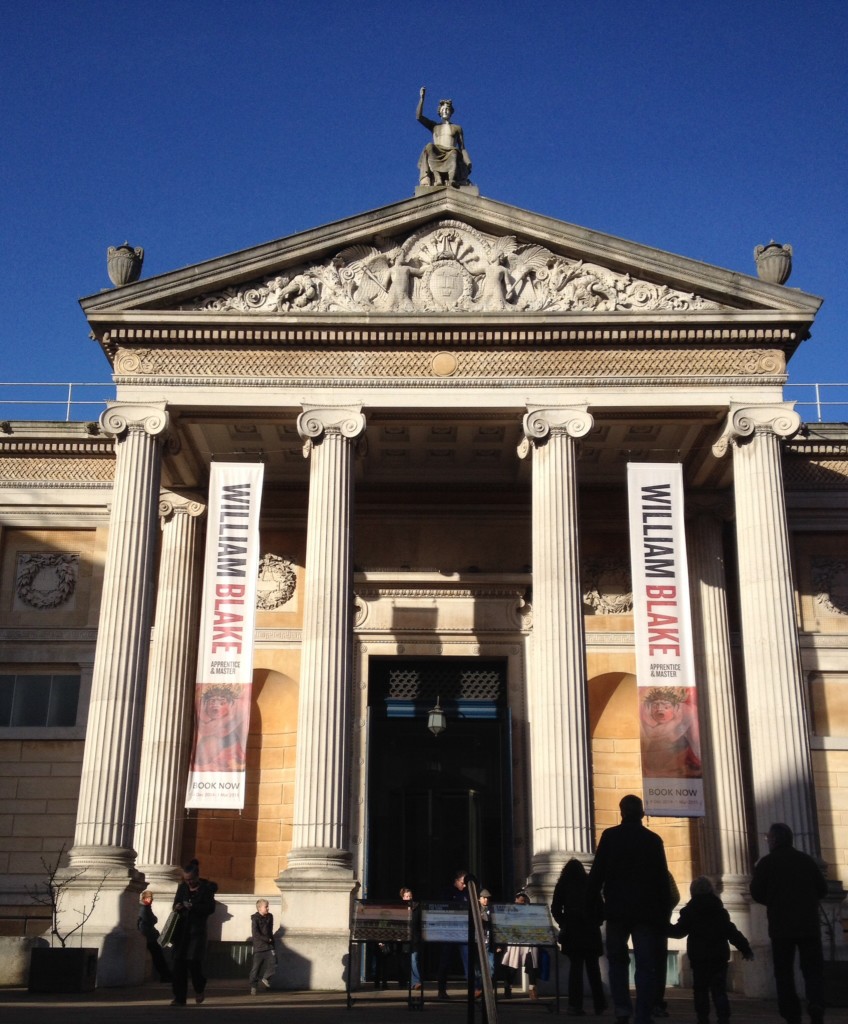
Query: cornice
735	326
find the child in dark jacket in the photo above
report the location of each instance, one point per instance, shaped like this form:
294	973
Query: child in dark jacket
708	925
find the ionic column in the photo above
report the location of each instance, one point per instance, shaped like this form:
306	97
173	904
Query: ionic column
109	783
317	884
167	714
724	833
781	769
560	762
320	798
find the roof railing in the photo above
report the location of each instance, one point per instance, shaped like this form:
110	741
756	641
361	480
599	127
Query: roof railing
81	400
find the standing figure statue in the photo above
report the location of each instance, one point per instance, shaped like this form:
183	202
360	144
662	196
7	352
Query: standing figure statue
445	161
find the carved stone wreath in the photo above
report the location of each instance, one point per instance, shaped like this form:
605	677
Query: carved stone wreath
46	581
830	584
607	587
277	582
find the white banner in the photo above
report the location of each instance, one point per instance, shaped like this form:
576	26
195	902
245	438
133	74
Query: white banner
225	653
665	663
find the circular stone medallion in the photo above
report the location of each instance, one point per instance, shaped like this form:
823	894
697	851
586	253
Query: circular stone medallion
444	364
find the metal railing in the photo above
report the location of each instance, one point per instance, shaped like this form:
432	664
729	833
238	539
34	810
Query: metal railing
829	401
75	400
81	400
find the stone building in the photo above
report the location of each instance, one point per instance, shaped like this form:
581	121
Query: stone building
445	394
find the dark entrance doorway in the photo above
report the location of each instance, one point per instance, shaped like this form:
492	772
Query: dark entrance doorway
438	803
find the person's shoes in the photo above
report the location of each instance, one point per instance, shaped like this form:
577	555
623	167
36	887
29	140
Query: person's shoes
533	993
508	992
659	1011
600	1007
200	997
178	1002
622	1020
442	994
266	983
575	1011
478	992
416	988
253	990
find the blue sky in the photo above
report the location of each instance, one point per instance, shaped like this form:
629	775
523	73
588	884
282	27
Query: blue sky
195	129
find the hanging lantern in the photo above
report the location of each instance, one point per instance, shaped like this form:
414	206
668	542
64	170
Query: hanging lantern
437	720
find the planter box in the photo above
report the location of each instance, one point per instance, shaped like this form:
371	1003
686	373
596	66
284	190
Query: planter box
62	970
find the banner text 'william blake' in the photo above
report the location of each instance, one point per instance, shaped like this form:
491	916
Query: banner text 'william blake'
225	653
665	664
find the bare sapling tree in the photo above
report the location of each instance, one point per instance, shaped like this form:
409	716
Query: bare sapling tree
52	893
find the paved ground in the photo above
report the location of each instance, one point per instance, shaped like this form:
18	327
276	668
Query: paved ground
228	1001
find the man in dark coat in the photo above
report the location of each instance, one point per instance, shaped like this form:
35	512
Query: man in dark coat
631	871
194	901
458	895
790	884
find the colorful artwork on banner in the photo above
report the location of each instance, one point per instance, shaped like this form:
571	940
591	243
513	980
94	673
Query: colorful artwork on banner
225	649
665	665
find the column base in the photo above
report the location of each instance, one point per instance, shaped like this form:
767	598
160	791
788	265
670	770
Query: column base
546	869
315	920
161	878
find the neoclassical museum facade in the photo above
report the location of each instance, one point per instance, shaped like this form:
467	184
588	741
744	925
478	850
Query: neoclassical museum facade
445	394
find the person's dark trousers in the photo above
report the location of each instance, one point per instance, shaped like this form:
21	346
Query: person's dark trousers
160	964
445	962
263	966
660	1005
812	969
577	961
709	978
182	970
644	938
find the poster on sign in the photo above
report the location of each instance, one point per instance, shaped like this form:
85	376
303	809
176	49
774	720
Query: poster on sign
665	664
225	651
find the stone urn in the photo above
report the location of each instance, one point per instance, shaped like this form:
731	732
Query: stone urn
774	262
124	263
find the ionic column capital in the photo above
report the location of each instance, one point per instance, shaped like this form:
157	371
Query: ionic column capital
744	421
541	422
172	504
318	420
121	417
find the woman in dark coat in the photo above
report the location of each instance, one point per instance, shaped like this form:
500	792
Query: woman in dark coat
195	903
579	935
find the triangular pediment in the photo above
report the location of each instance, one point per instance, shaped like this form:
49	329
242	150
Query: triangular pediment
448	254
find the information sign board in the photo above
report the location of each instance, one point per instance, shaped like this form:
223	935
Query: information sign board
443	922
381	922
522	924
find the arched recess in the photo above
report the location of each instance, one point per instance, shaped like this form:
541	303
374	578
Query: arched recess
246	851
617	769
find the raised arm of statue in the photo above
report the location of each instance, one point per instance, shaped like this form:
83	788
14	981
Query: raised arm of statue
419	113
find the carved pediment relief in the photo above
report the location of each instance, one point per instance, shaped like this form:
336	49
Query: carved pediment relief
449	267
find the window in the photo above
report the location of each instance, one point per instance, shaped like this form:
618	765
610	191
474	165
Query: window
39	700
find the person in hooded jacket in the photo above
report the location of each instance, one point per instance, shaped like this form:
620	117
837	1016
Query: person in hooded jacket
710	932
579	935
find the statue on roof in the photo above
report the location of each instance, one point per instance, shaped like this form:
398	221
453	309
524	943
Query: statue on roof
445	160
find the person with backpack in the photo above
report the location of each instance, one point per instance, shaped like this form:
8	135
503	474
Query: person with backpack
195	904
